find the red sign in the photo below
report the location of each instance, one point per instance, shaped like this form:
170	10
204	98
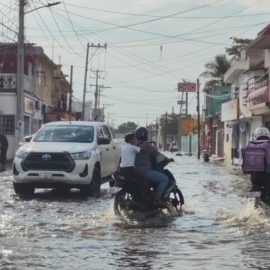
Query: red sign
187	87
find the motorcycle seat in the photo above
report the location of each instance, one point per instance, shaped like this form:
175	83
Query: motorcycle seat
123	174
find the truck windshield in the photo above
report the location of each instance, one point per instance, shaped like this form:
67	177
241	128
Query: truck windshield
66	133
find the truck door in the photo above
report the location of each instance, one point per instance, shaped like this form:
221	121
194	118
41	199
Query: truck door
110	153
103	154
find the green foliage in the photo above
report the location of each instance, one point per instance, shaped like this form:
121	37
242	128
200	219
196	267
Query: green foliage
215	70
127	127
172	124
238	45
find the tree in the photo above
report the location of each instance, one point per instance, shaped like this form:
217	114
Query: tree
216	69
172	124
127	127
239	44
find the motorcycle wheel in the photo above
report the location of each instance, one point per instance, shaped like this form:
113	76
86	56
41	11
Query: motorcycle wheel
121	202
177	199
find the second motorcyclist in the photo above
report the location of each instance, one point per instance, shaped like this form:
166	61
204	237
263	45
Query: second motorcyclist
258	176
144	164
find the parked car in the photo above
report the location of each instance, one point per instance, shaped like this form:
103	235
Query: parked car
73	154
173	147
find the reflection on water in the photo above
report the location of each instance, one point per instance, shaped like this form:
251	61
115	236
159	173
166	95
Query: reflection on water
219	227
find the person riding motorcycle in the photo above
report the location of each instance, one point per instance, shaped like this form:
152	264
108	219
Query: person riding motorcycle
143	163
262	134
258	179
128	155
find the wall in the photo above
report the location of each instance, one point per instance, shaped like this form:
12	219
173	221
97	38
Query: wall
8	106
194	144
257	121
44	80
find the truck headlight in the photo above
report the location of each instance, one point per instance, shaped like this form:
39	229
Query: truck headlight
21	154
81	155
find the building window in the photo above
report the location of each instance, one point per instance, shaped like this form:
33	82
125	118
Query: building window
7	124
34	126
26	126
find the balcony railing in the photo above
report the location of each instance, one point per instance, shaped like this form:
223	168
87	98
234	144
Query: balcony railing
258	93
8	81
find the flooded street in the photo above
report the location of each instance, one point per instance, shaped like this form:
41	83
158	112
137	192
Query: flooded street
219	228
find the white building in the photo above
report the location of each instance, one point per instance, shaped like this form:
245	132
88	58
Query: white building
249	79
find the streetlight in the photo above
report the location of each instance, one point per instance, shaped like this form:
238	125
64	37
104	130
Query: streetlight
20	69
46	6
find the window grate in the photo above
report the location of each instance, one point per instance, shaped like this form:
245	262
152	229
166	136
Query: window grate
7	124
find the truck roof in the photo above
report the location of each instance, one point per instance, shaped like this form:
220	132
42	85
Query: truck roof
77	123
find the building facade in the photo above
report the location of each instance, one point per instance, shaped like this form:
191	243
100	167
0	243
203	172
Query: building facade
40	92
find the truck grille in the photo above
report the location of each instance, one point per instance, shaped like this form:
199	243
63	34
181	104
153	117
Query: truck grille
56	162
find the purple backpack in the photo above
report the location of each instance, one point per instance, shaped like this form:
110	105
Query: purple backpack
256	156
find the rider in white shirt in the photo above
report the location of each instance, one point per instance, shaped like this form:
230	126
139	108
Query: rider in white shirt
127	166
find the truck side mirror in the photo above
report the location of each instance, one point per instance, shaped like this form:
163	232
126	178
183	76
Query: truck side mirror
28	138
102	141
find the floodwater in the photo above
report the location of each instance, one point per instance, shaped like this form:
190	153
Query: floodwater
219	228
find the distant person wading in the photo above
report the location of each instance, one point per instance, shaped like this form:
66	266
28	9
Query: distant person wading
3	151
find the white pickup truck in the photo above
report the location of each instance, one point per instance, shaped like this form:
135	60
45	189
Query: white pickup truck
67	155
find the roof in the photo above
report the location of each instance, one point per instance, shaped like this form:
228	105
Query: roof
265	31
78	123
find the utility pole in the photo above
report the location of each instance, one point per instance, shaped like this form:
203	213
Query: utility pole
98	98
157	132
20	75
186	104
180	126
85	75
165	135
70	92
105	105
199	122
172	122
85	81
96	92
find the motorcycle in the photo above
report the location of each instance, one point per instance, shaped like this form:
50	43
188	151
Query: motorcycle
256	163
127	199
205	153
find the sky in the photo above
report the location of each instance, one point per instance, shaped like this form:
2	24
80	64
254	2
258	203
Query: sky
152	45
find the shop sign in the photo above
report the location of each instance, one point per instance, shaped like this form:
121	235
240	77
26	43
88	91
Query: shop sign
49	117
229	110
187	87
181	102
29	105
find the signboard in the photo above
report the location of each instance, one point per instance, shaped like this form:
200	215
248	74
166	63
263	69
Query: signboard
229	110
181	102
29	105
187	87
49	117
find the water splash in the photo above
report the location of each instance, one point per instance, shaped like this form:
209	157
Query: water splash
246	219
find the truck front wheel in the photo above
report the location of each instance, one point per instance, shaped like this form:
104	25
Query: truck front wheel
93	189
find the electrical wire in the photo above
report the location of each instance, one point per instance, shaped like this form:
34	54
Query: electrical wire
171	17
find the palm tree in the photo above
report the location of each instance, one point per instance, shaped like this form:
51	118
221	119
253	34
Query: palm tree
216	70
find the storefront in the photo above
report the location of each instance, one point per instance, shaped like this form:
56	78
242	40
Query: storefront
230	117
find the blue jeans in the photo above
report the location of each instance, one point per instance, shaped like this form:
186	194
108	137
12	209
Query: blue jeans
160	179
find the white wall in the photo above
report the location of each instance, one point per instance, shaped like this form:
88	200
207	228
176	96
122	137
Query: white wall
267	59
8	106
256	121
